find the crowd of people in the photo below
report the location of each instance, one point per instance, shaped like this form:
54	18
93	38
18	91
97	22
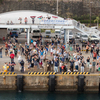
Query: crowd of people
53	55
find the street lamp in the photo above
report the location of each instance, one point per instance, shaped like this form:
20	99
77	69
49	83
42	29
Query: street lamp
57	7
90	12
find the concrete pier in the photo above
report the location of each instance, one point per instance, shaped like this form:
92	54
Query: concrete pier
41	82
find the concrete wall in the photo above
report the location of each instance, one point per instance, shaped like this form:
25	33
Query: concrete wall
66	83
36	83
40	83
92	83
8	83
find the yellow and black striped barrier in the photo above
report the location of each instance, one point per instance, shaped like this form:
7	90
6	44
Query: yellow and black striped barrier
79	73
7	73
53	73
41	73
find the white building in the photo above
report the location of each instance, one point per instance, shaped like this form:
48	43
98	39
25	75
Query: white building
14	16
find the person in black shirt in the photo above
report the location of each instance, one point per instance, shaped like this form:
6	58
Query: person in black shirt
52	42
71	65
97	51
15	52
58	41
77	45
91	51
32	61
52	64
12	66
49	65
88	62
16	41
29	59
83	45
22	66
22	50
26	53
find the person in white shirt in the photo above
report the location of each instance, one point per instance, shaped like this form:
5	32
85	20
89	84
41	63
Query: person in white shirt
51	51
10	50
55	57
58	51
60	65
19	60
90	67
54	51
44	53
34	43
74	54
76	64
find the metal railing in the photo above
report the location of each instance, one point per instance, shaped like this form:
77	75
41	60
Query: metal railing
86	29
70	22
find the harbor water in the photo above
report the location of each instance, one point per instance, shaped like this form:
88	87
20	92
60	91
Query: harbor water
13	95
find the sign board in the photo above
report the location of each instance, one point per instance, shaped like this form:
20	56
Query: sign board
68	22
46	27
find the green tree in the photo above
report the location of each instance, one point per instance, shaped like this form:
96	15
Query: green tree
69	15
97	20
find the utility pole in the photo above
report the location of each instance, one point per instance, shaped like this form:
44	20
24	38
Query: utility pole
90	12
57	7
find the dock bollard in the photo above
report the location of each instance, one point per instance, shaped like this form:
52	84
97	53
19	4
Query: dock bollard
99	85
52	83
81	83
20	83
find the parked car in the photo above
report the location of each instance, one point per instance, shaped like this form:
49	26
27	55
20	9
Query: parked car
93	38
58	34
78	35
14	34
17	29
35	33
22	30
83	38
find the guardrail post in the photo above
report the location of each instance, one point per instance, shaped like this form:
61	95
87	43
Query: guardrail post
19	83
52	83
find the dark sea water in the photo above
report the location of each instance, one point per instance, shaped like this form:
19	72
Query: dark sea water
12	95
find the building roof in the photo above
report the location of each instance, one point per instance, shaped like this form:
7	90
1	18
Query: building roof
14	16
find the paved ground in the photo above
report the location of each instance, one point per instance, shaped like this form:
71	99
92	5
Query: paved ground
22	39
7	59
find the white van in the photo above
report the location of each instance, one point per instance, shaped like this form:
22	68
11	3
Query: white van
57	33
71	35
47	33
35	33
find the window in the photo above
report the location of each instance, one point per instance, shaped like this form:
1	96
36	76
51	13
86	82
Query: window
57	32
48	32
14	32
85	36
36	31
93	37
70	33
